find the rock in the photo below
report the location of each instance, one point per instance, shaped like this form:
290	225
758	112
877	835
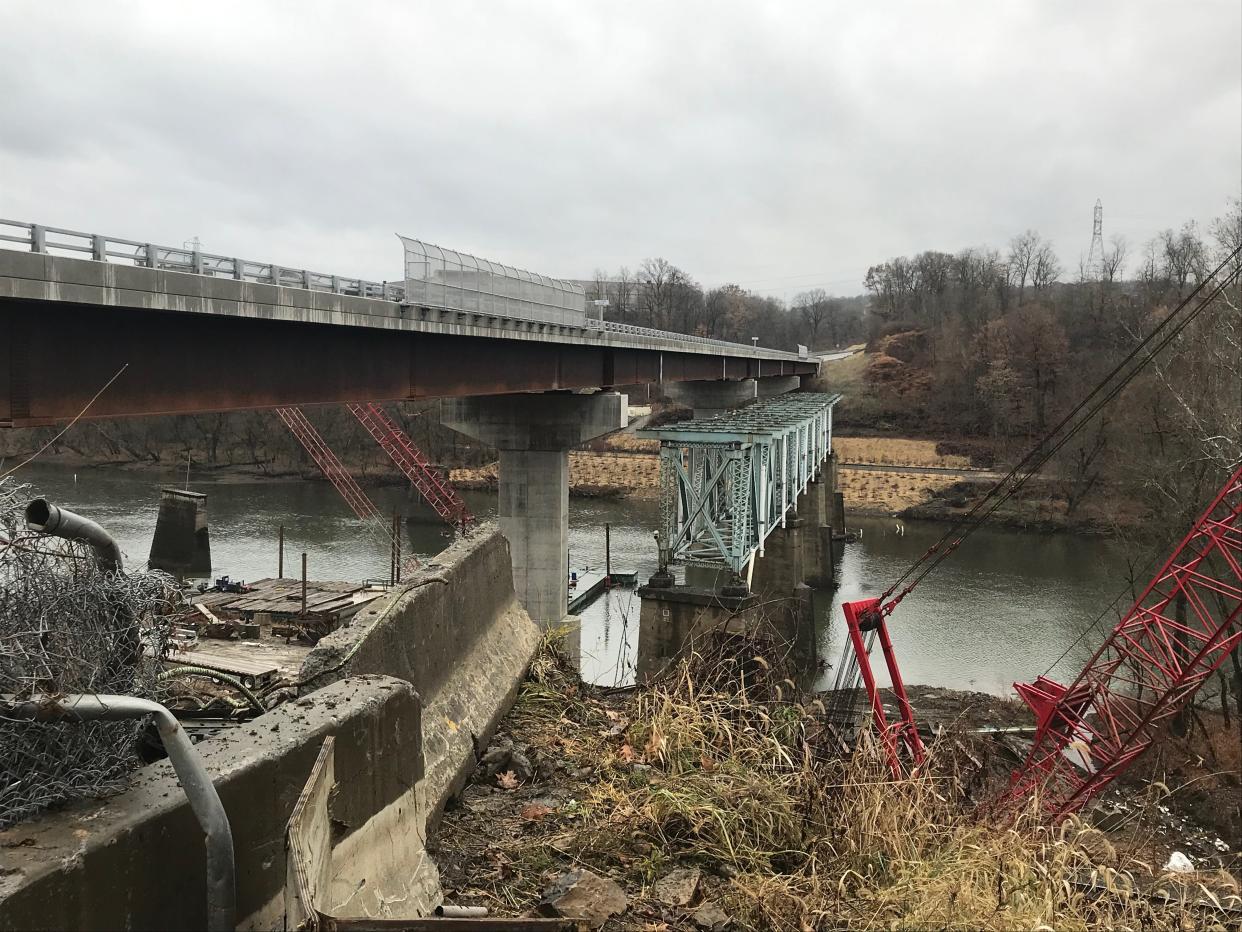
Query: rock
583	895
711	917
496	756
520	765
1220	845
1179	864
678	887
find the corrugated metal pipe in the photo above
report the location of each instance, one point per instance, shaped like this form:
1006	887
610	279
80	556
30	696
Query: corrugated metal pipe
46	518
201	792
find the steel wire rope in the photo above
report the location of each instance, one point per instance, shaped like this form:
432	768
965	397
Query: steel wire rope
968	523
975	523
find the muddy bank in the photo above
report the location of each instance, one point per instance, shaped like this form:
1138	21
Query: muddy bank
1039	507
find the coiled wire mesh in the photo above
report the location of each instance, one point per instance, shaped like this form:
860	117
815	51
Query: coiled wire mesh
68	627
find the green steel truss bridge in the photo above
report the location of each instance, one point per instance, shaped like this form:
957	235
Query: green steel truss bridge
729	481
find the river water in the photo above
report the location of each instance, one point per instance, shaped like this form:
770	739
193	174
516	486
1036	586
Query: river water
1004	607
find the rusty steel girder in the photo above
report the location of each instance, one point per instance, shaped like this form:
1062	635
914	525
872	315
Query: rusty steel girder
54	357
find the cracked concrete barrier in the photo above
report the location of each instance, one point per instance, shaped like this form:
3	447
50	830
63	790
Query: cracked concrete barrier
457	633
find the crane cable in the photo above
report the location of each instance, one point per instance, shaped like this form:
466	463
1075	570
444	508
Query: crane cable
1041	453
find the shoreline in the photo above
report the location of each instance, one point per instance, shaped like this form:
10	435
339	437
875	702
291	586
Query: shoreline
925	492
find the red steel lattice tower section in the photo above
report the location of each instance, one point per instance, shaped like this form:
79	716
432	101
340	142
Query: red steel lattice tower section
327	462
860	618
438	493
1178	632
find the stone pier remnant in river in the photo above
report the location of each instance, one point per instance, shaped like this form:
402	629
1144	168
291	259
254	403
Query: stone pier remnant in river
181	545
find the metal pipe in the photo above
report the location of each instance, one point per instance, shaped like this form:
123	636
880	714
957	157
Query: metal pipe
45	518
199	790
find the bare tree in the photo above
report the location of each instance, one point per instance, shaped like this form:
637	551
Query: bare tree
1113	262
1022	251
1045	266
812	307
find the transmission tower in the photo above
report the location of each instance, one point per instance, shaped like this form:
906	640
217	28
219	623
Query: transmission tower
1095	259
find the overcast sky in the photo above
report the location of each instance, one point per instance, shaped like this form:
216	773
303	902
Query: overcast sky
780	145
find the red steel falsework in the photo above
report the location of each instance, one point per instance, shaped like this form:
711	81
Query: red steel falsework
439	494
339	476
860	617
327	462
1178	632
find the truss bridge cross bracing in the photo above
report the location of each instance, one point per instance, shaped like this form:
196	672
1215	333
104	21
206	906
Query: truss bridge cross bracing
728	481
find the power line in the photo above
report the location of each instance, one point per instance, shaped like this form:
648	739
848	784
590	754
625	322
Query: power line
1163	334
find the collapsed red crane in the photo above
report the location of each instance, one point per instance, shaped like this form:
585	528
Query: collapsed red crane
1152	664
1162	651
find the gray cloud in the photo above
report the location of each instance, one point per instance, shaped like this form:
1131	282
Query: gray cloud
780	145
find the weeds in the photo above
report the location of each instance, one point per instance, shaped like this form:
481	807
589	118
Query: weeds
720	765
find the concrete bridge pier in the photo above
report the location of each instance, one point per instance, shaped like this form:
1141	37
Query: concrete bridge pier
710	398
534	434
817	507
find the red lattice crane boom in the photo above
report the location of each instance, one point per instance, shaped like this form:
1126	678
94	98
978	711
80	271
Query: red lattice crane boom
438	493
328	464
1178	632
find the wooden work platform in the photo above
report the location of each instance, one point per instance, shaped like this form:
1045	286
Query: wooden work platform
284	597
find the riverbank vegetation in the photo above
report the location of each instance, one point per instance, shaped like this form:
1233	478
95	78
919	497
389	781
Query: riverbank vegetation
717	793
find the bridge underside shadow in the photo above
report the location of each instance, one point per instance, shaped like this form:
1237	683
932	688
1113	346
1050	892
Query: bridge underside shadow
60	355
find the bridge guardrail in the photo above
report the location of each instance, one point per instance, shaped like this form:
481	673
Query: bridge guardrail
56	240
38	238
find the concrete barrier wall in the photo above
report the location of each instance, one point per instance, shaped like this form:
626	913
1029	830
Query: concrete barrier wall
137	860
457	633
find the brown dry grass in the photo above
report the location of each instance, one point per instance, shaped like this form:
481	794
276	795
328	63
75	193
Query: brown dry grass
590	473
894	451
717	767
887	492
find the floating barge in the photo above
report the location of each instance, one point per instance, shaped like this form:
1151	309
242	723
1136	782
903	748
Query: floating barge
585	586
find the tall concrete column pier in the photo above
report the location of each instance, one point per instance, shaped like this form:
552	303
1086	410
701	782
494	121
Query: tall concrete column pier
534	434
708	399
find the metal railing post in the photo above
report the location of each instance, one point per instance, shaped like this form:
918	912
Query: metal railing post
99	248
153	256
275	273
38	238
196	262
336	284
306	279
239	269
194	779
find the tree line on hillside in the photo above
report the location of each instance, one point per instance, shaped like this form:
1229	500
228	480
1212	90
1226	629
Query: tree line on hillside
663	296
1001	346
